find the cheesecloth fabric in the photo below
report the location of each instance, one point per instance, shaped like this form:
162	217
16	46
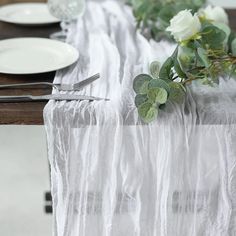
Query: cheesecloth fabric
113	175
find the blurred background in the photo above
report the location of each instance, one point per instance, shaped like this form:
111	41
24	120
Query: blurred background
24	178
24	173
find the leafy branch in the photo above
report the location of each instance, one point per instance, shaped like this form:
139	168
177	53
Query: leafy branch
153	16
205	57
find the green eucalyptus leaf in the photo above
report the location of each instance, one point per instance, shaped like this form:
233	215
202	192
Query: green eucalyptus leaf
178	69
140	99
136	2
202	54
224	28
153	16
213	36
232	37
159	83
140	84
232	73
182	6
157	95
148	112
185	57
177	93
155	69
140	9
166	69
233	47
198	3
166	13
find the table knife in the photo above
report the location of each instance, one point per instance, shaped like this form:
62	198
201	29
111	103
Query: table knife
56	97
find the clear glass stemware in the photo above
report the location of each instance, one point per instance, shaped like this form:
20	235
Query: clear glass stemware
66	11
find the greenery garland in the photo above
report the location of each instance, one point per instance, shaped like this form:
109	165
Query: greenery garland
153	16
206	50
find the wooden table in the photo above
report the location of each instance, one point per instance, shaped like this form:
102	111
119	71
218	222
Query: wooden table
24	113
32	113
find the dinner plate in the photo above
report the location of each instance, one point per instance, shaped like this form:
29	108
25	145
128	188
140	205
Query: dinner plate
27	14
35	55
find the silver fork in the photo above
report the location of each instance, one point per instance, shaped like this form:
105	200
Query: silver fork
60	87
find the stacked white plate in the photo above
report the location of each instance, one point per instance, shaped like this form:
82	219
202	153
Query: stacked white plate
32	55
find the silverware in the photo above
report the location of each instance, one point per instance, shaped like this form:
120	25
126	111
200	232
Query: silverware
57	97
60	87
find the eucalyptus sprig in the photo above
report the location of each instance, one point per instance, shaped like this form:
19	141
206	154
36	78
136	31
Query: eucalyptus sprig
206	50
153	16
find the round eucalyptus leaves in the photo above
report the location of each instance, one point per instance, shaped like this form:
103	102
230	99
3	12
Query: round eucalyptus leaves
153	92
210	53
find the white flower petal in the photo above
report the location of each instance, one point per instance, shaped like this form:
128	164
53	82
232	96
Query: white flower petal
184	25
216	14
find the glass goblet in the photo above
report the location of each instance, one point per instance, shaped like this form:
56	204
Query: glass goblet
66	11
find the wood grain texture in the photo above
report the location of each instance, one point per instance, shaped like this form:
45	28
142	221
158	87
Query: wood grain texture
30	113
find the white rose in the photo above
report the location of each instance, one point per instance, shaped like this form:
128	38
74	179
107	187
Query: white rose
216	14
184	25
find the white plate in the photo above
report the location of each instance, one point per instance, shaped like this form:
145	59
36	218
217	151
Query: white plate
35	55
27	14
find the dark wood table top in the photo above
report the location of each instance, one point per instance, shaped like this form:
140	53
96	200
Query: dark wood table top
31	113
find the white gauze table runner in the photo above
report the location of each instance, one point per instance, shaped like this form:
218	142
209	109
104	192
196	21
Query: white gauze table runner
111	175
